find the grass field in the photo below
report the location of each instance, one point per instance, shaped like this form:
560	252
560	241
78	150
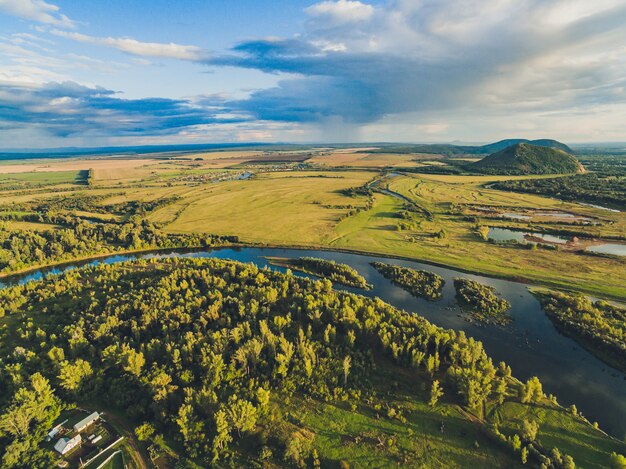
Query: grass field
362	159
307	208
41	177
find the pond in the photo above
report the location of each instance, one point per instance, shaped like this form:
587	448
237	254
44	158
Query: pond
609	248
530	344
506	234
599	207
516	216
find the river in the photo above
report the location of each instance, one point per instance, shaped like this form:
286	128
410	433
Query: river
530	344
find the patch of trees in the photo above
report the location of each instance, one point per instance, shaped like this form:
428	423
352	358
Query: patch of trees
592	188
206	352
419	283
481	301
334	271
77	238
599	326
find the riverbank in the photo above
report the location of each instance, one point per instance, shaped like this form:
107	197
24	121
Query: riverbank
557	283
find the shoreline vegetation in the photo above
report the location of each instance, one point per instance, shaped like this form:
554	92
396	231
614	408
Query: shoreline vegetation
331	270
419	283
597	326
239	244
482	302
291	372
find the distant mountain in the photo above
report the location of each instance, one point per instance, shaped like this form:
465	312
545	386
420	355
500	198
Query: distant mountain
524	158
502	144
451	150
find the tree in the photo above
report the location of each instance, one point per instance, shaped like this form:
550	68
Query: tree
524	455
243	415
132	361
191	428
568	462
222	433
24	423
532	391
529	430
500	391
435	393
617	461
347	363
73	375
144	431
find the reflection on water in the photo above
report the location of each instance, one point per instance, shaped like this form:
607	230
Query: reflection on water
506	234
530	344
609	248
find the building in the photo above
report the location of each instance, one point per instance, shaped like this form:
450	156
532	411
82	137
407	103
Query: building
64	445
84	423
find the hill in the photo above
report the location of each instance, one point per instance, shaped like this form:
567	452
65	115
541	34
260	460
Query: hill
524	158
502	144
451	150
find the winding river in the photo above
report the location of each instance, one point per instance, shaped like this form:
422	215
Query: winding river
530	344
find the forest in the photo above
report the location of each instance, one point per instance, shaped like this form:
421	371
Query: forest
607	190
481	301
419	283
215	360
597	325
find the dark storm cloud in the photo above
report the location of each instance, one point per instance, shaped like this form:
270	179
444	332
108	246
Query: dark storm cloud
67	108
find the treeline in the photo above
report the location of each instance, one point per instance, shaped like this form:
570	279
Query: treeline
78	238
482	301
419	283
591	188
599	326
86	203
334	271
206	352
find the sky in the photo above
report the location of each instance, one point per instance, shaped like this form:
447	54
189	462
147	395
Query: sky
118	72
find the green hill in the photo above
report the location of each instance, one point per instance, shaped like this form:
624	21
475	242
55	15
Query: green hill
502	144
524	158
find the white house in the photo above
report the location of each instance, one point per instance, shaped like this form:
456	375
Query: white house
66	444
84	423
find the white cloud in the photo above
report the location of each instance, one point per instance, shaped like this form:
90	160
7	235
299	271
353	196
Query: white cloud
142	49
36	10
428	61
341	11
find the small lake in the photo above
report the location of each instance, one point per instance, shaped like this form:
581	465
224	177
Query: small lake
599	207
517	216
530	344
506	234
609	248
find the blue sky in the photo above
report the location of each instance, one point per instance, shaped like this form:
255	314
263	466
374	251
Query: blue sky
89	73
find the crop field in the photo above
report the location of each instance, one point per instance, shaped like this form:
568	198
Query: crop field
366	160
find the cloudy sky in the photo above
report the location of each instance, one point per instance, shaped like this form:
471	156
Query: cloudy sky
118	72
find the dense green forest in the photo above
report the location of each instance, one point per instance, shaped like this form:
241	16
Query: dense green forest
481	301
590	188
419	283
225	364
599	326
334	271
